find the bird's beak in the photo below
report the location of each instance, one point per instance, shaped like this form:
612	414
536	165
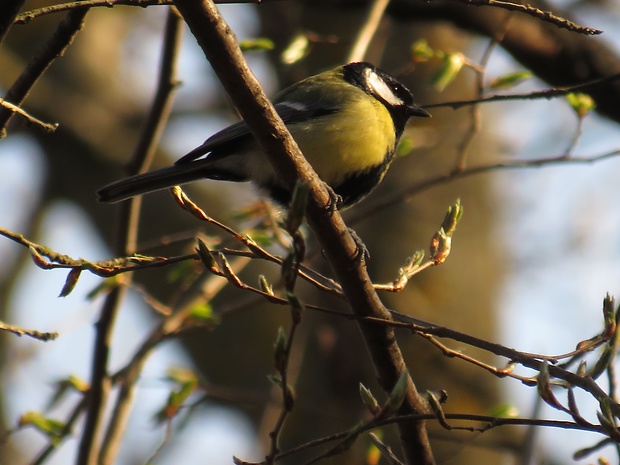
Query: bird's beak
415	110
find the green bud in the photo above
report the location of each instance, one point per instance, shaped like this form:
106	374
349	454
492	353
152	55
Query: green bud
265	286
435	406
369	400
609	315
441	245
204	254
453	216
297	207
582	104
279	353
70	282
397	395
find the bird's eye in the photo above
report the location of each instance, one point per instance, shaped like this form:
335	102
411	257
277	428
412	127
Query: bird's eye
386	89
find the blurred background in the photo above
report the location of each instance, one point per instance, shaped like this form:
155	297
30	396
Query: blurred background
532	259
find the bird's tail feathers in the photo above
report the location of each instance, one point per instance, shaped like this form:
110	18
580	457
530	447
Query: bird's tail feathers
153	181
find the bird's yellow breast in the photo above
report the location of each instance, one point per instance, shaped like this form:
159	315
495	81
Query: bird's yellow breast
353	140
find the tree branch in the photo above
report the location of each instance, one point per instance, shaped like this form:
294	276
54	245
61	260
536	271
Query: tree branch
557	56
221	49
53	48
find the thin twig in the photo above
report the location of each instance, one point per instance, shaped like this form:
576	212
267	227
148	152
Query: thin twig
48	127
33	333
144	153
488	423
546	94
474	127
127	229
28	16
546	16
527	360
367	32
53	48
404	195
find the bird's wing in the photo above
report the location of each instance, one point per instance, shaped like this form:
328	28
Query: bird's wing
228	138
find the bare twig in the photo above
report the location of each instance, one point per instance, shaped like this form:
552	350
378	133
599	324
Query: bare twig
488	423
405	194
474	127
142	158
15	109
54	48
367	32
532	361
32	14
284	343
546	94
546	16
33	333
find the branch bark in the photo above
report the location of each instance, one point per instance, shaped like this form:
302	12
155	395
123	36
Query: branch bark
221	49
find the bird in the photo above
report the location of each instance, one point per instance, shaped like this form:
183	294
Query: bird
347	122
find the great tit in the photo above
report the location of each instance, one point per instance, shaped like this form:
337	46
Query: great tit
347	123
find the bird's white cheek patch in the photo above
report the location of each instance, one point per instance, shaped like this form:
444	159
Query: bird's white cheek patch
380	88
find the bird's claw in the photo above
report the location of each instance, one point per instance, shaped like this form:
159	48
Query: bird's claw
335	200
361	251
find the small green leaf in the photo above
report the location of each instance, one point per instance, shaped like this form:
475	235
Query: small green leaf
505	411
510	80
297	50
451	67
602	363
421	52
452	218
203	312
257	43
53	429
404	147
181	375
186	384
